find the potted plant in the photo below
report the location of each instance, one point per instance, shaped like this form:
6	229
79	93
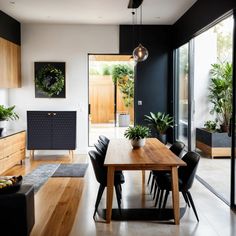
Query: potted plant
160	122
137	135
123	77
6	114
220	93
211	140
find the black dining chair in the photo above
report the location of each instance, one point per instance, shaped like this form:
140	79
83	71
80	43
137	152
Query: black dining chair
100	172
186	178
100	149
177	148
104	139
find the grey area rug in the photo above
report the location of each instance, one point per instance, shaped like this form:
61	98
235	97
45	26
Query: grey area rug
71	170
40	175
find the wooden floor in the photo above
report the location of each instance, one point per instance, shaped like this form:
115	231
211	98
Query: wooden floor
64	207
57	201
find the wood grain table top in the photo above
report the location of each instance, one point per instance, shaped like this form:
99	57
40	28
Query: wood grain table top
120	153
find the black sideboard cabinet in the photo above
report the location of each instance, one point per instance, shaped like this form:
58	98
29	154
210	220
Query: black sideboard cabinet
51	130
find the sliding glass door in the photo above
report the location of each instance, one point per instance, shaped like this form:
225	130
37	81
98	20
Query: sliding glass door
233	124
182	95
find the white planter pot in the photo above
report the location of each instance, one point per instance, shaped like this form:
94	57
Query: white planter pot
124	120
137	143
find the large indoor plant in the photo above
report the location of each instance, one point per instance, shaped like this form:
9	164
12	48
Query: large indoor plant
160	123
123	77
137	135
220	93
6	114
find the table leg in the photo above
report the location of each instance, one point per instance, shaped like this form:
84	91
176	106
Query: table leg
175	194
110	185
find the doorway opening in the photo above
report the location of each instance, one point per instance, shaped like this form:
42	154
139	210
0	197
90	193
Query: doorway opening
111	95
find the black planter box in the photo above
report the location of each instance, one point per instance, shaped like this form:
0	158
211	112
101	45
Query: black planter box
214	144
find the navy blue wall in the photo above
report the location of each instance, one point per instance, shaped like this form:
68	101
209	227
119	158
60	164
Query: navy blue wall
152	75
200	15
9	28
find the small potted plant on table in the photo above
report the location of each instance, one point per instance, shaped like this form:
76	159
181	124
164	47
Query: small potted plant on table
137	135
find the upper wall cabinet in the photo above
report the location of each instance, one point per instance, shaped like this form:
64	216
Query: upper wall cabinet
10	66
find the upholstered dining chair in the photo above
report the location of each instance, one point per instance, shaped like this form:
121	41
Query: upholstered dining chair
186	178
177	148
100	172
104	139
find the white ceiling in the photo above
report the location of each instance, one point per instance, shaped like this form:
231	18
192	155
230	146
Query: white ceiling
93	11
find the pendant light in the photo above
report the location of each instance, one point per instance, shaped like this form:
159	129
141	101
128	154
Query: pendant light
140	53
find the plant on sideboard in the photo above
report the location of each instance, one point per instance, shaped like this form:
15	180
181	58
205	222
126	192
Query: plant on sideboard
6	114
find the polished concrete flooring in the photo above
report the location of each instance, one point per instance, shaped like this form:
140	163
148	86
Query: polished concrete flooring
216	218
216	173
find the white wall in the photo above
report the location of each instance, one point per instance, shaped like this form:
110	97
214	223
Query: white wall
205	54
69	43
4	97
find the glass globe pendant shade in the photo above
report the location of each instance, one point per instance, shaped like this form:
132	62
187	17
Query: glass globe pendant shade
140	53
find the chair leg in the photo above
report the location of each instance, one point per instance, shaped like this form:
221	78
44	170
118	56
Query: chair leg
160	202
149	177
165	199
99	196
186	198
155	190
118	197
157	197
153	181
192	203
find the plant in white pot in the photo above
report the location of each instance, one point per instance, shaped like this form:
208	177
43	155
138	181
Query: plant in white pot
123	77
137	135
6	114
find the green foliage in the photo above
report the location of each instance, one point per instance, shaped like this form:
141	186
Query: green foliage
123	76
50	80
220	91
93	71
7	113
137	132
106	70
159	121
211	125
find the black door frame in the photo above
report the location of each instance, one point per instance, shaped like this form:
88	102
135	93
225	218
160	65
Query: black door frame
233	131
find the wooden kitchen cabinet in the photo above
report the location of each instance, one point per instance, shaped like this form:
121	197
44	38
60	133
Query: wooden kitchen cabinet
10	64
12	149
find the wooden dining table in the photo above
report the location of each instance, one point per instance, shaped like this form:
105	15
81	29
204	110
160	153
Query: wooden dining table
153	156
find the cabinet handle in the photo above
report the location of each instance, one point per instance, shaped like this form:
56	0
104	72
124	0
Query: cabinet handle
49	113
54	114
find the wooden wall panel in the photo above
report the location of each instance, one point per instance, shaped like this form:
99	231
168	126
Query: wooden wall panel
10	64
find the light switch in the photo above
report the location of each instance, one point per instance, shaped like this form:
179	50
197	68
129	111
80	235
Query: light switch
140	103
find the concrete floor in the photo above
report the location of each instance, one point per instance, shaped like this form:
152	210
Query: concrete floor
216	172
216	218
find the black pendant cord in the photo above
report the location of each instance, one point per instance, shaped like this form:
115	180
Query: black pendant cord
133	14
140	26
